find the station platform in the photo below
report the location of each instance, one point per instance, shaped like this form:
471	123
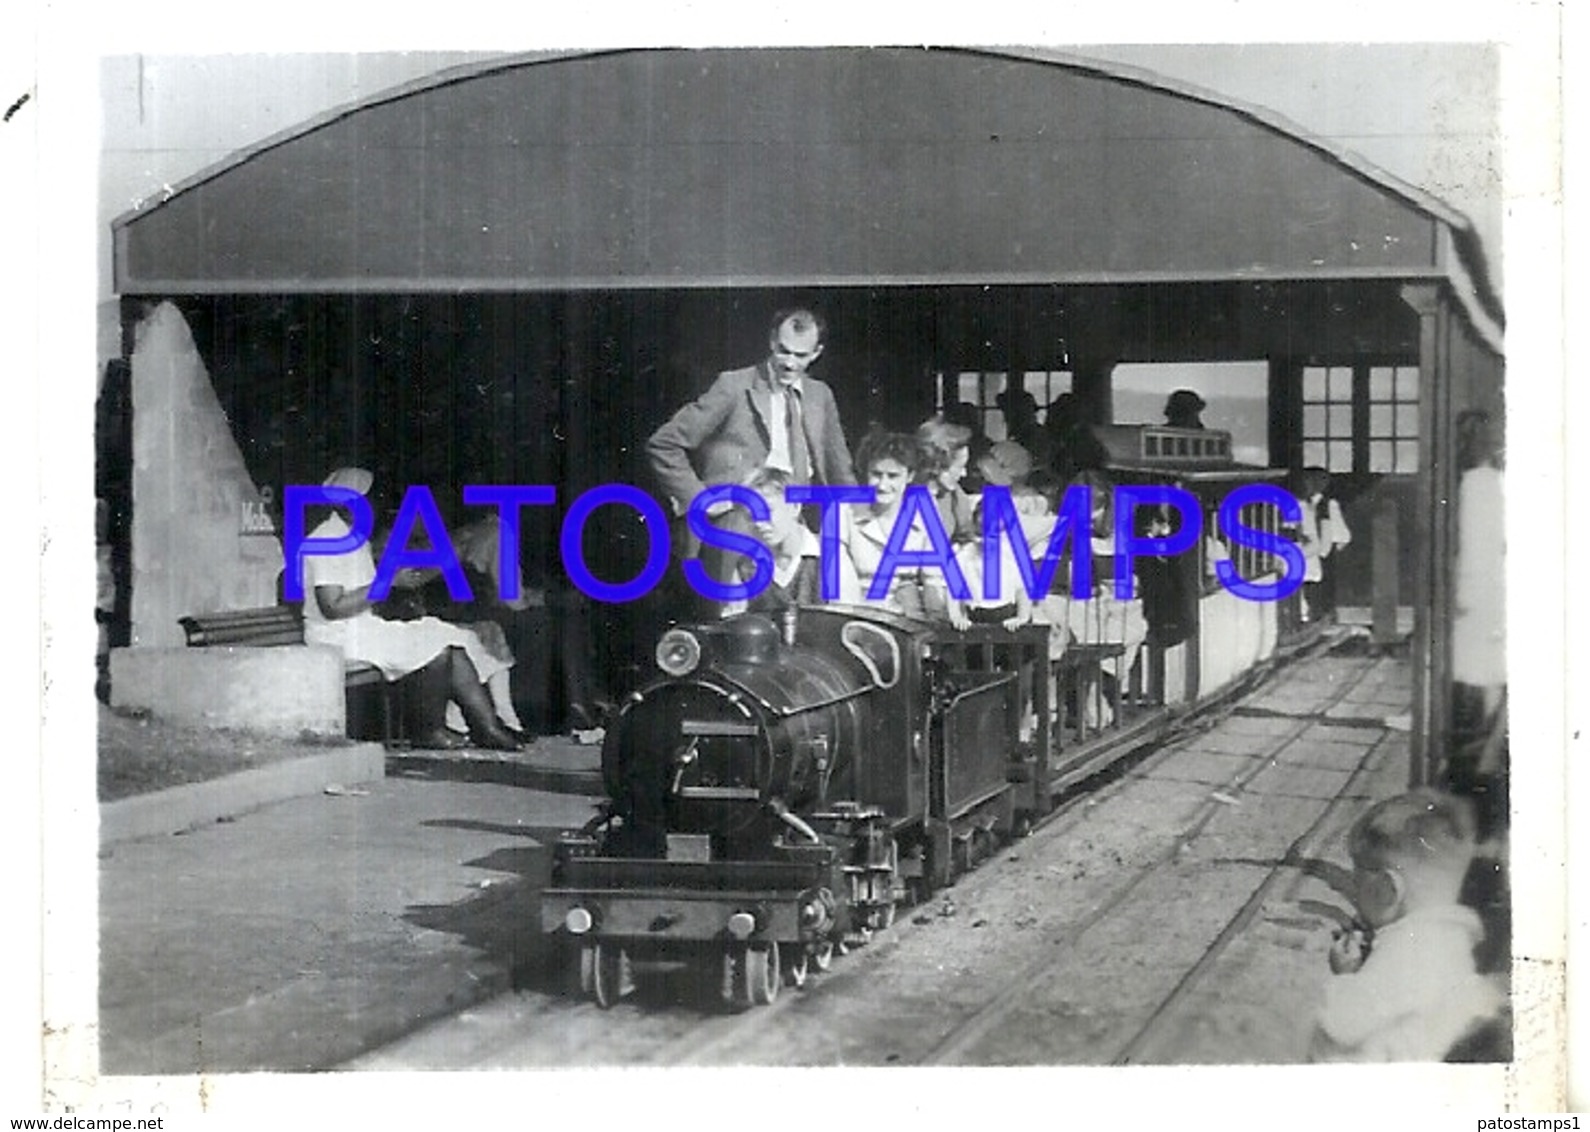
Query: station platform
305	934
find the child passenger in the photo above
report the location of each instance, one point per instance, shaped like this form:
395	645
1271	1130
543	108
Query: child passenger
1011	605
797	570
1406	988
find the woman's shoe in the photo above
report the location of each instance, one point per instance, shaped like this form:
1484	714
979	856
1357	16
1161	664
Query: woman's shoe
495	737
439	739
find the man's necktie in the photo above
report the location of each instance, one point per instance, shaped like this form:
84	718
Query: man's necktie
799	455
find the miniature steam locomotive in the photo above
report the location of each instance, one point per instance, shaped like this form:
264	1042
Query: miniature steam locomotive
777	792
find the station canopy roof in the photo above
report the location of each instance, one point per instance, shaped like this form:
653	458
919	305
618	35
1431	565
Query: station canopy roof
831	166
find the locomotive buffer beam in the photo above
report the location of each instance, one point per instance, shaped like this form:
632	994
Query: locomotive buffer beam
673	901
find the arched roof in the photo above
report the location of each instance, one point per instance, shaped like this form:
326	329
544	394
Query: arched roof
730	167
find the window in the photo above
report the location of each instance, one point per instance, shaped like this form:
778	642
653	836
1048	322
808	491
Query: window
979	392
1362	418
1328	418
1394	419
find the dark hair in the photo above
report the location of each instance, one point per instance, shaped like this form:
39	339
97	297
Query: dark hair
1313	478
879	445
802	317
1015	401
1047	484
1420	824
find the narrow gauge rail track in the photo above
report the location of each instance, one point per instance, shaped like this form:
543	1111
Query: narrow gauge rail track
975	1024
959	1042
999	1014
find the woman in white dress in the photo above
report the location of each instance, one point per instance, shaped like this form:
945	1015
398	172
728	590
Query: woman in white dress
444	662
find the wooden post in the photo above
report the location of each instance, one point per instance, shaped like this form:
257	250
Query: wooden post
1432	605
1286	413
1384	560
1092	385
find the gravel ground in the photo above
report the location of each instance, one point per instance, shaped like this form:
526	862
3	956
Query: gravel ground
139	754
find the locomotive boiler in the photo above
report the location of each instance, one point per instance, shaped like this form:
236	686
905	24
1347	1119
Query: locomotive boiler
773	795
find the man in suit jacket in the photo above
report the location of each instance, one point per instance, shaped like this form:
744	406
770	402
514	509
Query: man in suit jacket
770	415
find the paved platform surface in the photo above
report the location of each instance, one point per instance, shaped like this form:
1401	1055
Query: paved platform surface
302	934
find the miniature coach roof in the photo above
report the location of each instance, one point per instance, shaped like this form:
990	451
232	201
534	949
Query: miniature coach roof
725	167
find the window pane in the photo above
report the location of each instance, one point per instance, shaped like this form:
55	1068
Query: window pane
1380	420
1313	420
1380	383
1314	454
1407	383
1380	456
1341	420
1341	456
1407	420
1407	455
1314	383
971	386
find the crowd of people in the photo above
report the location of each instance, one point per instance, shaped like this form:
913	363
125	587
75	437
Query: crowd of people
774	425
767	427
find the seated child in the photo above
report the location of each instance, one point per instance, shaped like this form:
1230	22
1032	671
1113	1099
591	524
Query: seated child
1012	606
797	569
1410	991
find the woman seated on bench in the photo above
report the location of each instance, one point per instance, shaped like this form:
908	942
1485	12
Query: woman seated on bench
442	662
486	614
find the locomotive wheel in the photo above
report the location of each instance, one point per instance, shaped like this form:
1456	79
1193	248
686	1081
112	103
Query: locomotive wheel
752	975
795	971
587	969
762	974
884	916
983	845
610	974
823	955
854	939
961	856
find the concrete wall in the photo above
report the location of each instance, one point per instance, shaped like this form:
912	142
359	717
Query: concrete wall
286	691
189	490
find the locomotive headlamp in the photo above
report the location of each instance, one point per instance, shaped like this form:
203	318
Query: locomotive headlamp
678	652
741	925
578	921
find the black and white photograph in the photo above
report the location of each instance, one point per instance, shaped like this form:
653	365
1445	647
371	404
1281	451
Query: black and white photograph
762	555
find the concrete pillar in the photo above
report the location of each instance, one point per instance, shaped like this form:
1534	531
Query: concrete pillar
192	495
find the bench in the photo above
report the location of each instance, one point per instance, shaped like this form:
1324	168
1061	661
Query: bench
279	626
